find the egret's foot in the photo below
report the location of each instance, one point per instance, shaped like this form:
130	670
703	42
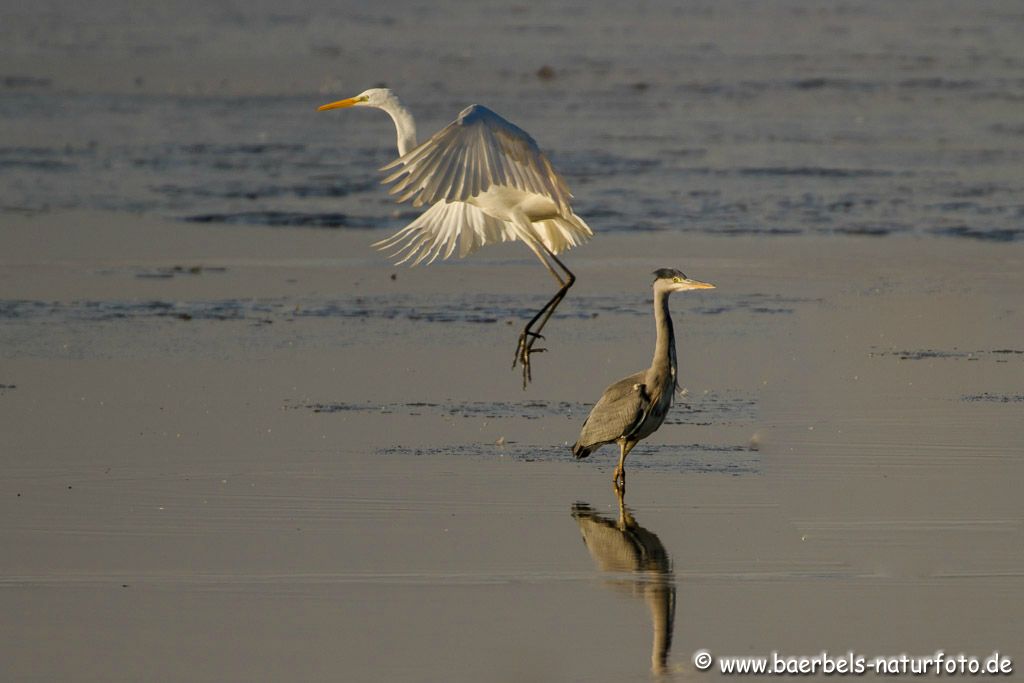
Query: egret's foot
523	350
524	360
525	345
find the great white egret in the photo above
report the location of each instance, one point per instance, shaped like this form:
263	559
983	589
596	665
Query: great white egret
486	181
634	407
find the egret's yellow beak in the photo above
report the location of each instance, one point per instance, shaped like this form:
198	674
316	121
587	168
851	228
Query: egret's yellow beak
697	284
340	104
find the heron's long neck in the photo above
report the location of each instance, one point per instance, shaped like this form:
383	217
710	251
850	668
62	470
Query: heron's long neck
665	347
404	124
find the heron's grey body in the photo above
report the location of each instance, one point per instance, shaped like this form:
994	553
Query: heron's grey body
634	407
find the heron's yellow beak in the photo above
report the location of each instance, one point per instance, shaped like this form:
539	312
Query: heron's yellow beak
697	284
340	104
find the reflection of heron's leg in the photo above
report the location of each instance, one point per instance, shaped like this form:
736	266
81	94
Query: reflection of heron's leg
619	476
626	520
530	335
661	601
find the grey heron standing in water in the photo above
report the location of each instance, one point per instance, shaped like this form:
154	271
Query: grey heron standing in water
634	407
485	181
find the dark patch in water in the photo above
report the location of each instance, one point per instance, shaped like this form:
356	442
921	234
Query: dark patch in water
702	458
708	409
477	309
7	387
527	410
245	148
870	230
172	271
994	398
375	308
955	354
843	84
974	191
49	165
130	310
814	172
603	164
712	409
241	191
984	234
1009	129
937	83
15	81
278	219
753	230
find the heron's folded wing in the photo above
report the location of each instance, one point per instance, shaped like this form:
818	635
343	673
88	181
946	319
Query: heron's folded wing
477	150
619	411
438	229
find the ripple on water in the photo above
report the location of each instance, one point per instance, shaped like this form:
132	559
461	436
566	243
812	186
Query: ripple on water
695	458
476	309
997	355
986	397
706	409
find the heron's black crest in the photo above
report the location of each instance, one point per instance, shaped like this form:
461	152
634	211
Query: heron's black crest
668	274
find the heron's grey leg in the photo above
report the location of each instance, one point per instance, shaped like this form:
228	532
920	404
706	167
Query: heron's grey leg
619	476
530	335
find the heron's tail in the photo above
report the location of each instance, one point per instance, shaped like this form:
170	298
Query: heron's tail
580	451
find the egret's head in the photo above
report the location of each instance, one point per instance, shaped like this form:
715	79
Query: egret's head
374	97
672	280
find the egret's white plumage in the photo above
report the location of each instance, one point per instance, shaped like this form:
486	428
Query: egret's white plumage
485	181
495	168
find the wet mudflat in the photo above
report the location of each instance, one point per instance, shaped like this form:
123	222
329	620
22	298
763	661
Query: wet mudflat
300	499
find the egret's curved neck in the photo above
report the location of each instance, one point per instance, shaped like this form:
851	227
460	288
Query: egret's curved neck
665	346
404	124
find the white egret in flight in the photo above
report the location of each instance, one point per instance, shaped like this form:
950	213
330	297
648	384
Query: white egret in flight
485	181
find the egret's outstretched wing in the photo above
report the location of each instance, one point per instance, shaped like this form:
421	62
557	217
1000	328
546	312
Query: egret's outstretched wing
562	232
440	228
618	413
477	150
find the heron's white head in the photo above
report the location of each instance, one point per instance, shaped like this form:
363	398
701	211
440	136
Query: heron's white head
381	98
672	280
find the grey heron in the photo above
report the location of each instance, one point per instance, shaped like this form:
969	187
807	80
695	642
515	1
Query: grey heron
634	407
485	181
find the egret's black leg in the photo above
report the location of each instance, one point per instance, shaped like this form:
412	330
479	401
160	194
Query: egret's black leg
529	335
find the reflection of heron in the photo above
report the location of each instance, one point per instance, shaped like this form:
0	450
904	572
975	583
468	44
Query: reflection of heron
625	546
634	407
485	181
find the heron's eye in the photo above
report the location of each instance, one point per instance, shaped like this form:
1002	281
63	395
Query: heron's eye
677	279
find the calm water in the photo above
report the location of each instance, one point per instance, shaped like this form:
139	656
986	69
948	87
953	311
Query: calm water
717	117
